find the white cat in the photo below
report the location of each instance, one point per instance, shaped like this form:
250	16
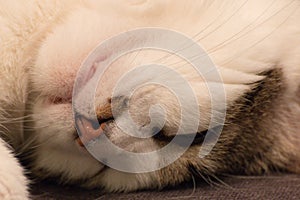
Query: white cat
254	44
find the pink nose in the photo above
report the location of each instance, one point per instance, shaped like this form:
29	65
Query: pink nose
90	130
87	131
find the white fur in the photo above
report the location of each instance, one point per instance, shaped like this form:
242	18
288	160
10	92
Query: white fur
13	184
50	39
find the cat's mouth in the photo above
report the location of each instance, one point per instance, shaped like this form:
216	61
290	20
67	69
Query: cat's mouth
92	132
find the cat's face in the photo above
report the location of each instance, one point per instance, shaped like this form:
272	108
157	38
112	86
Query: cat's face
60	153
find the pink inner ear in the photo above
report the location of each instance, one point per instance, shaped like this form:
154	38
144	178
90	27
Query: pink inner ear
93	68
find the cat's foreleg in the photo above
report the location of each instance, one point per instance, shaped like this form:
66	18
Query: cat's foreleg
13	184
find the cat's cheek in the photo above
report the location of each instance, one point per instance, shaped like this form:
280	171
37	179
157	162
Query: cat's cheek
58	152
54	124
50	162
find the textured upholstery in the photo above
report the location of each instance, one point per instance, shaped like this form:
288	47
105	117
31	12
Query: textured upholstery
267	187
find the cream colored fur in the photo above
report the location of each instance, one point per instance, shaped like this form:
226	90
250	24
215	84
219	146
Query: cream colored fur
45	42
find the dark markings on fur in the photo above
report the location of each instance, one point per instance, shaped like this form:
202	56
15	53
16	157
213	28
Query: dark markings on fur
245	146
245	134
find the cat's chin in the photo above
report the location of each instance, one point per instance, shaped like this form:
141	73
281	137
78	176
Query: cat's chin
71	167
111	180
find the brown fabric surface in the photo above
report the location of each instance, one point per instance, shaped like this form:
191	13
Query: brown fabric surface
269	187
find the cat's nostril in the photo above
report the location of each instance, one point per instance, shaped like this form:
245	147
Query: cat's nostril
102	120
90	129
60	100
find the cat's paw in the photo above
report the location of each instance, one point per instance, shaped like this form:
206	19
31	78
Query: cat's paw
13	184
